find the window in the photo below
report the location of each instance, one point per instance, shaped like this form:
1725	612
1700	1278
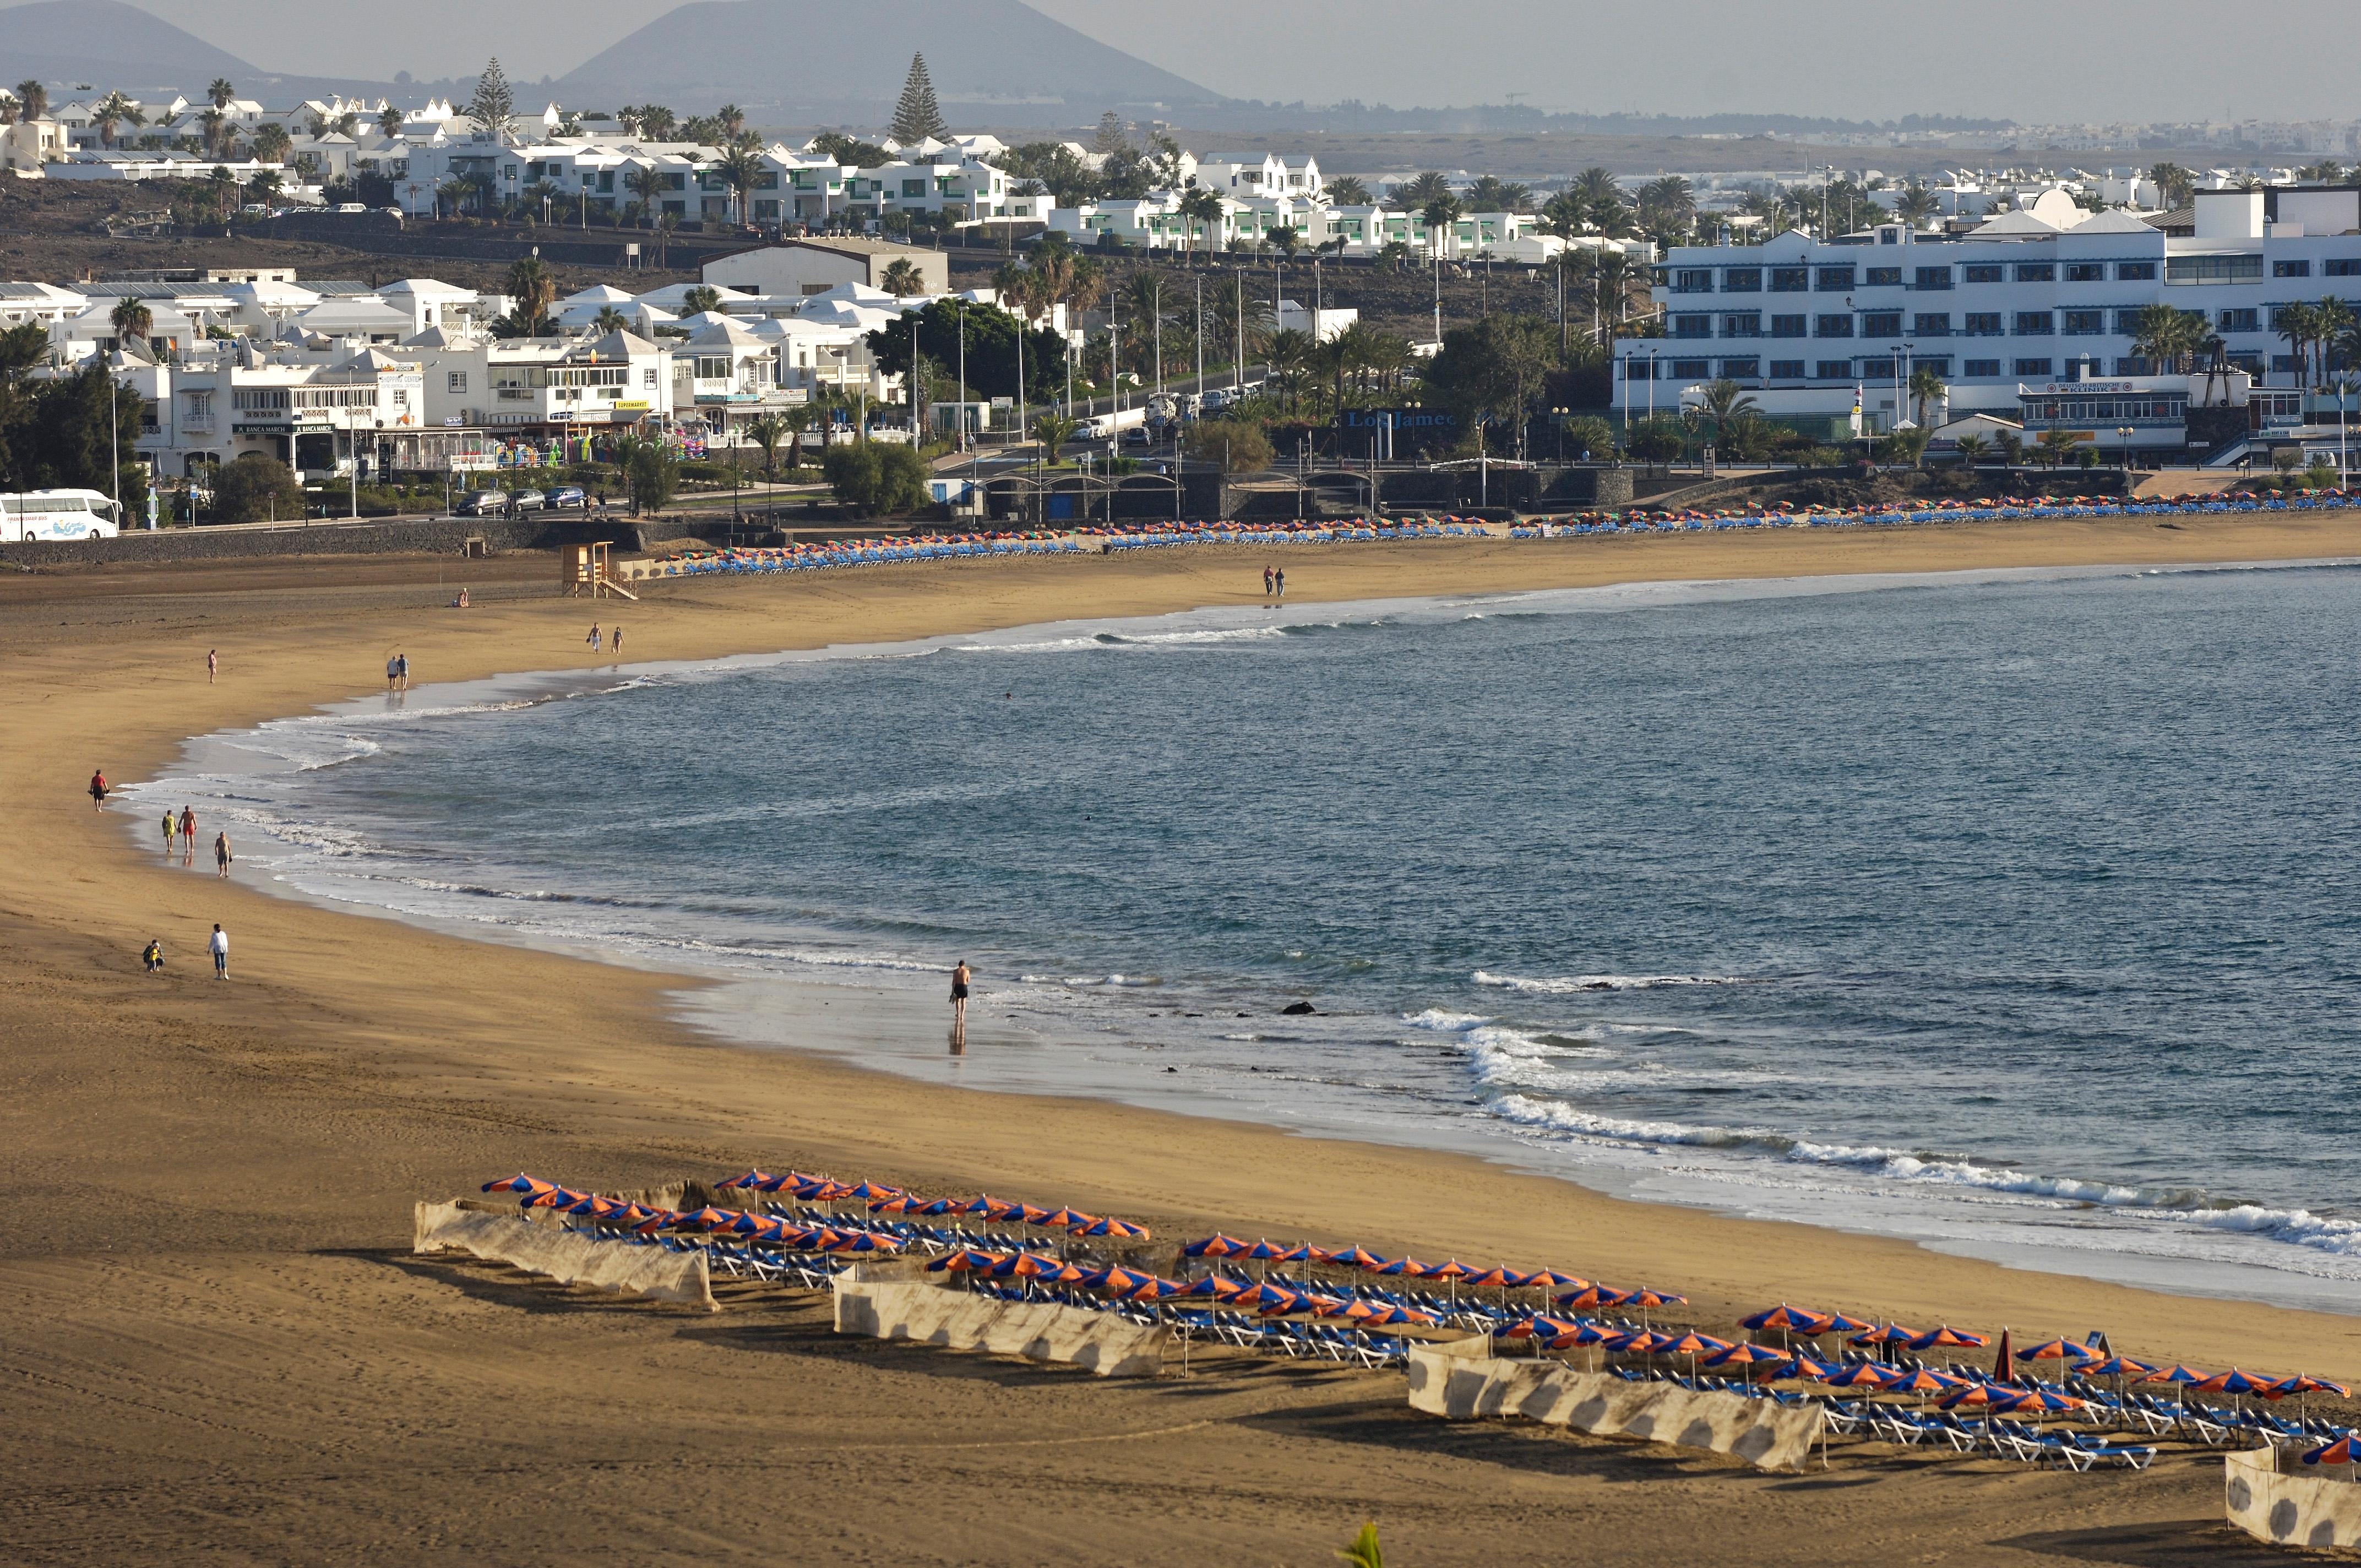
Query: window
1693	281
401	397
1985	272
1747	325
1741	369
2036	369
1877	369
2342	267
1885	276
1833	327
2086	272
1880	324
1976	369
2037	272
674	181
1835	280
1693	326
2214	269
1983	324
2248	319
1934	278
1692	369
2085	323
1743	281
259	400
1931	324
455	381
648	377
1787	326
1941	364
1787	369
1790	279
200	406
1833	370
2035	324
2127	323
2286	362
914	187
2135	272
2290	269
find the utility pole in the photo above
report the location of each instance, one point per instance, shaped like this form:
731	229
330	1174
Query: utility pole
1238	366
962	374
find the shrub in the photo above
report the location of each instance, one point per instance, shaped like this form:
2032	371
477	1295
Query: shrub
1236	447
875	476
255	487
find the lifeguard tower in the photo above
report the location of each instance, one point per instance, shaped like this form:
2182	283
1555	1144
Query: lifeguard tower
584	567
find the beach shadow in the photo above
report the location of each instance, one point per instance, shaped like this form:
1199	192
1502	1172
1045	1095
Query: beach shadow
498	1283
1536	1448
2166	1543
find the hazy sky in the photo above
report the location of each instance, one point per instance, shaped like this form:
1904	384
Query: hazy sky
2042	60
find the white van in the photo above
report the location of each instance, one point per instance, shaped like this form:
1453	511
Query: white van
35	515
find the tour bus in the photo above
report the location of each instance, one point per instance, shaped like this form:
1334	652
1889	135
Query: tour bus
35	515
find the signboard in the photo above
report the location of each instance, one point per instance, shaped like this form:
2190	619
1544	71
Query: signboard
633	406
453	421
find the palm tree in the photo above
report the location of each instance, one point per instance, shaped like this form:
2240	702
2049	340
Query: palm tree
733	120
2332	324
903	279
2166	336
114	110
1086	287
696	302
213	125
1439	215
1926	387
740	169
1972	451
2175	186
1053	431
1724	400
533	287
2055	444
767	429
610	319
2299	325
1346	191
644	183
271	143
1917	204
1291	355
132	321
1394	254
1601	195
1146	297
1202	210
1493	194
1419	192
33	97
1666	205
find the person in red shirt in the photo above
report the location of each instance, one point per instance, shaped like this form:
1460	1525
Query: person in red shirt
97	791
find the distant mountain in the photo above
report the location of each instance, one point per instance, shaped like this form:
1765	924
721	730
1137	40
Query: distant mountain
110	46
821	61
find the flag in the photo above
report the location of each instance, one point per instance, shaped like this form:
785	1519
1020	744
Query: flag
1856	409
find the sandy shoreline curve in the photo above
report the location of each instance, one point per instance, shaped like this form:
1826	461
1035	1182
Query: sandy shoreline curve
209	1184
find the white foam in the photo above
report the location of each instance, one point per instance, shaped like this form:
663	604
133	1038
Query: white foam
1566	985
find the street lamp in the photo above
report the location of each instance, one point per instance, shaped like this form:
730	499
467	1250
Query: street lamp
2125	432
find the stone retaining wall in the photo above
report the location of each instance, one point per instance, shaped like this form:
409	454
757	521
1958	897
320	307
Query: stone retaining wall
436	536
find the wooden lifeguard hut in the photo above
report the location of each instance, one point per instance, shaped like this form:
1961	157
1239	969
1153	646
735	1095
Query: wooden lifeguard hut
584	567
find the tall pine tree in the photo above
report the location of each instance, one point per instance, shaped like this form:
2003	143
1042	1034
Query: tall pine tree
494	105
917	115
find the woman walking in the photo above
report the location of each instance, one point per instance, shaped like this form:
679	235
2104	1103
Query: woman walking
959	977
171	826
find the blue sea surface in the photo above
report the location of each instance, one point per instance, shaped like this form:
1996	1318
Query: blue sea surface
2014	913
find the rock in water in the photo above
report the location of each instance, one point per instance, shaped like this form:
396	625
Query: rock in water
1297	1009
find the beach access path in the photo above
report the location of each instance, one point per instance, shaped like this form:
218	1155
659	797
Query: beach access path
219	1350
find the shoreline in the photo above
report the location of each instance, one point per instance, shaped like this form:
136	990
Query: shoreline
212	1183
738	1000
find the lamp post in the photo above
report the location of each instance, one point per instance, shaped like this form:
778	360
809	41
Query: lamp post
2124	453
962	374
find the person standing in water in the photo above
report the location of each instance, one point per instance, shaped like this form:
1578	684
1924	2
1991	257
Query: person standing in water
188	836
959	979
221	854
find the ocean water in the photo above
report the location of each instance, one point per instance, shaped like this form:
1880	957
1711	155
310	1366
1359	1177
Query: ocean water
2012	912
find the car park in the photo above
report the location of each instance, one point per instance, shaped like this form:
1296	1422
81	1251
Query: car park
564	496
528	501
480	503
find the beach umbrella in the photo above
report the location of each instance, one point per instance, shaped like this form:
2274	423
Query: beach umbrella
2233	1382
1066	1218
962	1261
1403	1265
941	1206
2041	1400
1948	1337
1305	1254
2119	1367
752	1180
551	1198
1838	1324
1551	1280
1971	1394
1267	1296
2056	1350
1862	1375
1358	1258
2300	1384
1783	1318
1217	1286
708	1218
864	1240
900	1204
1803	1367
1505	1278
1591	1296
531	1186
1647	1300
1264	1251
873	1192
2337	1452
1583	1334
1885	1333
1387	1315
1905	1381
1215	1245
1123	1229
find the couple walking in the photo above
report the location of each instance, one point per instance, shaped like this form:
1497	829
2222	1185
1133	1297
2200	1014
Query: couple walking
1274	582
186	824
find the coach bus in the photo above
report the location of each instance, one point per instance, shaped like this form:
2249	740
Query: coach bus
37	515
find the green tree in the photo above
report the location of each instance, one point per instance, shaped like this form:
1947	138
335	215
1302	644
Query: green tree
2055	445
220	94
1724	400
1417	192
256	487
849	151
698	300
1201	208
1439	215
1494	369
876	477
1053	430
131	320
741	168
917	115
114	110
493	106
1916	204
1655	440
1364	1552
271	143
390	122
534	287
2175	186
1972	451
32	98
903	279
1344	191
1233	445
767	430
651	475
610	319
2168	337
1926	387
645	184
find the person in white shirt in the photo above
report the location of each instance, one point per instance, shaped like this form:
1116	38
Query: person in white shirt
219	943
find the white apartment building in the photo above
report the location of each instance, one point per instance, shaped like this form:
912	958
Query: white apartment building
2032	298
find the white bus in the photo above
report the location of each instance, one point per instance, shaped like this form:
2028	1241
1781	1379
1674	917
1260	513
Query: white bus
35	515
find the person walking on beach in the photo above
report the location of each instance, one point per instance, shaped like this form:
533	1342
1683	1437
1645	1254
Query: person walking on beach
1279	578
221	854
97	790
213	666
218	945
593	638
615	642
171	826
188	836
959	977
1266	581
401	669
392	669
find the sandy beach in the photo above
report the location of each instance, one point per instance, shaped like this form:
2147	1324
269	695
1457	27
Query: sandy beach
220	1350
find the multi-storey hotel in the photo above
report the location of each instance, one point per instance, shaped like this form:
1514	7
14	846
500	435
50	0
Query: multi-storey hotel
2014	316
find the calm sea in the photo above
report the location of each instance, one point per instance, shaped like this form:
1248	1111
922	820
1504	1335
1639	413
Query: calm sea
2014	913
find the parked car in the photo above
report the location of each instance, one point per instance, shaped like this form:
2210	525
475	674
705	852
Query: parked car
528	501
350	207
564	496
480	503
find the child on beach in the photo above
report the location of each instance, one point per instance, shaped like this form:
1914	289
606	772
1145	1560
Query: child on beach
153	955
221	854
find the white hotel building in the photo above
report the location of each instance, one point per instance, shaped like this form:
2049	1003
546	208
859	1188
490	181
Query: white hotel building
2038	297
